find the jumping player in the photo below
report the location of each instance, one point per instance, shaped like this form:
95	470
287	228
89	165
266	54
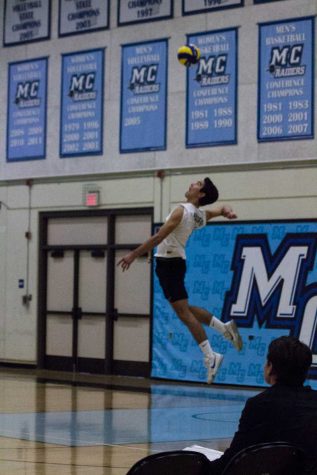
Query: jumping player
171	267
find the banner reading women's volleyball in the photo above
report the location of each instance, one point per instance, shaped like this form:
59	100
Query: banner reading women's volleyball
27	110
82	103
212	90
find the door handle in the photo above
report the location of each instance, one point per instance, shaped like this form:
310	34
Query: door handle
115	314
77	313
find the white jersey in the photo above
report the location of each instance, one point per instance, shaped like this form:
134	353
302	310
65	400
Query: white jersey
174	244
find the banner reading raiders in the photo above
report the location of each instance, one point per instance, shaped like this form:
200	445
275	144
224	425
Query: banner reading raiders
143	96
27	110
26	21
286	80
212	90
81	130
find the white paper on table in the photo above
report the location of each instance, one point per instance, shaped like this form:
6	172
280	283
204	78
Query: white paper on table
211	454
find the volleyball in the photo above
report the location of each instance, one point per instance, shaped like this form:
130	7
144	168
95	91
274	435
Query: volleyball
188	55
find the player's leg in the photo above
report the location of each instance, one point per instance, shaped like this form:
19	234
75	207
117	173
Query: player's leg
213	360
188	318
171	274
229	329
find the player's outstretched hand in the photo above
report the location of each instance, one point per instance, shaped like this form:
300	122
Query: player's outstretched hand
126	261
228	212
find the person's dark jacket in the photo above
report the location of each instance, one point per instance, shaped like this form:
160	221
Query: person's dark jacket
280	413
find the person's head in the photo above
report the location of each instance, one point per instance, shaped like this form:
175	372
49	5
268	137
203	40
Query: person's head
202	192
288	361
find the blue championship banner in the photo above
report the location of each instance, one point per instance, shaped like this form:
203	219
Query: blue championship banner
27	110
200	6
83	16
143	97
26	21
212	90
286	80
263	275
82	103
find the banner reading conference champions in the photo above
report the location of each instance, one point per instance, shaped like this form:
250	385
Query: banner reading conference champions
143	96
286	80
81	130
212	90
27	111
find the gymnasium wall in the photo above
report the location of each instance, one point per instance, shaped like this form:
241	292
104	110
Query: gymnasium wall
249	191
273	180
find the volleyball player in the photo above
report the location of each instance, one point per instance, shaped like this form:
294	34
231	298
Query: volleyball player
171	267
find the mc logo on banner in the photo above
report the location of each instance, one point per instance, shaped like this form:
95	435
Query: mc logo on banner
272	287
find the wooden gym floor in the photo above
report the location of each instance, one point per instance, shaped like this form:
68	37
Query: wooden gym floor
58	423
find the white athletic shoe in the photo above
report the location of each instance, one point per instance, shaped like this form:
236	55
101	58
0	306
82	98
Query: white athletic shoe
213	364
232	334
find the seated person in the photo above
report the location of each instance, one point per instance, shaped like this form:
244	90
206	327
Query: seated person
286	411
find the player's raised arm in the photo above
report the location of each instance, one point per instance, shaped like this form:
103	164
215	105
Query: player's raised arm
225	211
171	223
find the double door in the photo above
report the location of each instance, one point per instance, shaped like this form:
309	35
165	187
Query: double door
93	317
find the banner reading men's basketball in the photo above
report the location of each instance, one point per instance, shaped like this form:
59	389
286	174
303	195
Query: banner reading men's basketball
212	90
286	80
263	275
27	111
143	96
81	130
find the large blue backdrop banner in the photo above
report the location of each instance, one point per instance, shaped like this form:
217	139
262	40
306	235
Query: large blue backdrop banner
261	274
212	90
143	97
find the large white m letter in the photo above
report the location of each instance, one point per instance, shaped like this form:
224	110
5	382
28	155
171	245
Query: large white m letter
254	270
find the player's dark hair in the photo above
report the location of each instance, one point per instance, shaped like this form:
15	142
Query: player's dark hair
211	193
290	359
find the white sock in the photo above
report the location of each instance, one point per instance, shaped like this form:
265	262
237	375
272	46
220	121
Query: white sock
206	348
217	324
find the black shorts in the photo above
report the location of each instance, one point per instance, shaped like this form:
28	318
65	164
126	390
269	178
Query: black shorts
171	274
